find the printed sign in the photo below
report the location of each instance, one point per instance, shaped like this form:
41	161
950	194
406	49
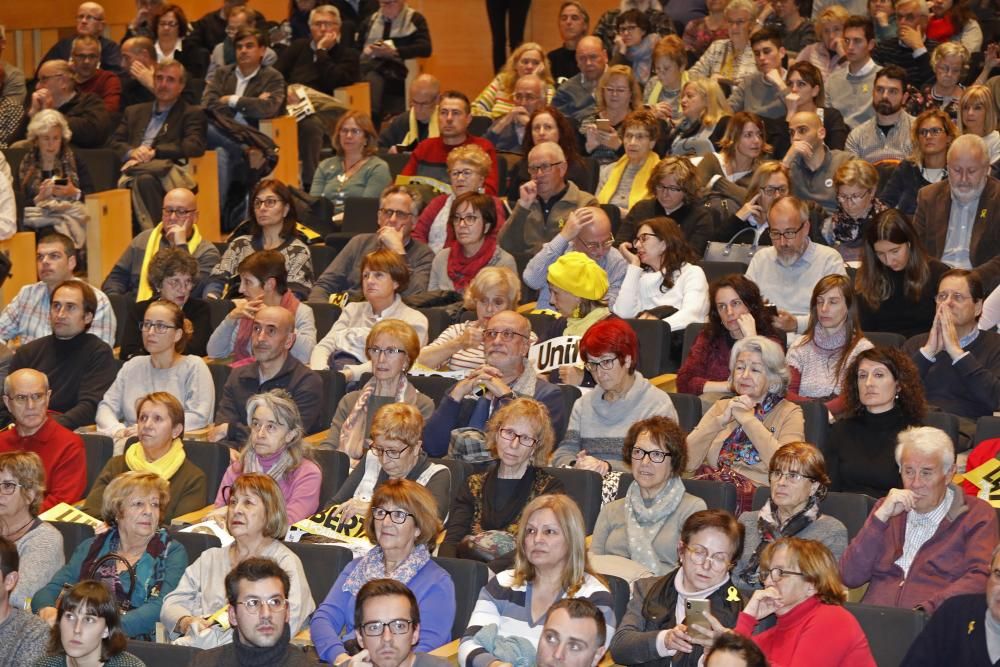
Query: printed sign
69	514
555	352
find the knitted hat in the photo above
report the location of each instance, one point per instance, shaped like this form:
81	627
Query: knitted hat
579	275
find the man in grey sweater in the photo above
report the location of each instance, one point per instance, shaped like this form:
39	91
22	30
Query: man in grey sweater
764	92
23	636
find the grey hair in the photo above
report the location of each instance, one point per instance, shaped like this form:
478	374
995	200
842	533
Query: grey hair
7	381
736	5
927	440
770	353
45	120
801	207
416	200
329	10
286	412
967	142
922	8
550	146
171	62
87	38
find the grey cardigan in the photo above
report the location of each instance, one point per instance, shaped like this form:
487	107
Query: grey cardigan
825	530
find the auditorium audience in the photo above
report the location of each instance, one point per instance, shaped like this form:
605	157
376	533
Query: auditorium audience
741	150
950	62
927	541
409	128
662	92
574	627
700	32
808	93
578	289
89	21
577	96
883	397
89	122
574	24
730	59
856	182
770	181
471	243
977	115
170	27
932	134
811	164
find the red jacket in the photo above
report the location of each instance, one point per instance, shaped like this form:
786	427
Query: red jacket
426	219
63	457
430	157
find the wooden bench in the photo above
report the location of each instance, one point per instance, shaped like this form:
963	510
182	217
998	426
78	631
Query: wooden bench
109	231
205	171
284	132
21	249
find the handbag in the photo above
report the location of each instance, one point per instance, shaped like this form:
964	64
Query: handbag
731	251
486	545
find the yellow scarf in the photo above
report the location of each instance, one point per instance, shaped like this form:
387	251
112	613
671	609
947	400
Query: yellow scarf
153	247
654	93
638	190
166	466
413	135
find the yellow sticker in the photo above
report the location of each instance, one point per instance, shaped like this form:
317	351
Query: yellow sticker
982	214
864	88
972	626
732	595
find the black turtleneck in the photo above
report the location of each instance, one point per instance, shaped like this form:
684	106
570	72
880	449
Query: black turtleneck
898	314
861	453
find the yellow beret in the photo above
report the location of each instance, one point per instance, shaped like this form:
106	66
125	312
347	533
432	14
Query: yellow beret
579	275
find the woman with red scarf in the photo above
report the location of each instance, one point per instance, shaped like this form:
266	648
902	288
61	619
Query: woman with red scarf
471	244
953	21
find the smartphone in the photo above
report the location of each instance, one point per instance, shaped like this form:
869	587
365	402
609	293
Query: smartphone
695	609
60	181
771	309
604	125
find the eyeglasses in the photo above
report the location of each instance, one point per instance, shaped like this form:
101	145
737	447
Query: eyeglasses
325	24
788	235
636	136
645	237
856	198
254	605
397	626
777	574
390	213
596	245
178	283
672	189
778	475
655	455
525	97
772	190
390	453
604	364
23	399
351	131
169	24
699	554
88	17
397	516
957	297
627	28
375	352
510	435
543	168
465	220
185	212
7	488
930	131
461	173
158	327
270	202
506	335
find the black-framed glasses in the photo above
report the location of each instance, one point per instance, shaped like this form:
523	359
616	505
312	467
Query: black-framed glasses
389	453
791	476
772	190
510	435
469	220
644	237
269	202
505	335
390	213
397	516
655	455
788	235
158	327
178	212
777	574
397	626
254	605
604	364
671	189
8	488
544	168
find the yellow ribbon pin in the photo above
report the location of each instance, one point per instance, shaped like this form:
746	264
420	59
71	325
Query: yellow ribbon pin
972	626
732	595
982	214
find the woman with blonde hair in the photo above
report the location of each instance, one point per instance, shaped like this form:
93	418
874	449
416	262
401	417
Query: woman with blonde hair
856	182
255	517
497	99
276	448
618	94
623	183
977	115
460	346
486	512
826	54
39	545
931	134
550	563
703	120
950	62
730	60
355	170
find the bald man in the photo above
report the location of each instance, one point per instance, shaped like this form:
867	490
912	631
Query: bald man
406	130
273	368
811	163
576	96
88	119
89	21
178	229
507	131
26	395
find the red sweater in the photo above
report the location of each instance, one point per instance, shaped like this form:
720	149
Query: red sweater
430	158
813	634
105	85
63	457
426	219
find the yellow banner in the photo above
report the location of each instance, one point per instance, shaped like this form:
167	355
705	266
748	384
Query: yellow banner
69	514
987	479
326	524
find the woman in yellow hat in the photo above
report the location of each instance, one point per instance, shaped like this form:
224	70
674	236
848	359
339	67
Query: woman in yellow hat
578	288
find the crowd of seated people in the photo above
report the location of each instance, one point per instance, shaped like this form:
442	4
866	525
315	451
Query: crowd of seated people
843	350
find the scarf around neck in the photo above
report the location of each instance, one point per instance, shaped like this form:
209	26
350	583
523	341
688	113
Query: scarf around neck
638	191
413	128
737	448
352	433
771	530
166	466
462	269
372	566
402	26
282	463
846	229
643	522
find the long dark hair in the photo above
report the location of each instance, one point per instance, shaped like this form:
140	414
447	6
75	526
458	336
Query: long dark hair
854	334
910	399
677	251
567	135
282	192
872	281
751	297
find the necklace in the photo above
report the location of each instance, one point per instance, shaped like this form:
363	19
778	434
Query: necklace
18	531
349	171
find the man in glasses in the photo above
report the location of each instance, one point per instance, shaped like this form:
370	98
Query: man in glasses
27	316
575	96
167	131
399	206
85	59
85	114
406	130
430	157
586	230
79	365
257	590
887	135
89	21
507	131
957	218
788	269
927	541
178	228
545	202
811	164
387	627
26	394
959	364
506	375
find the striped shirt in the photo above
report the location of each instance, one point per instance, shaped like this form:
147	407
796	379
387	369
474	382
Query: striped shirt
27	316
869	143
920	528
509	608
